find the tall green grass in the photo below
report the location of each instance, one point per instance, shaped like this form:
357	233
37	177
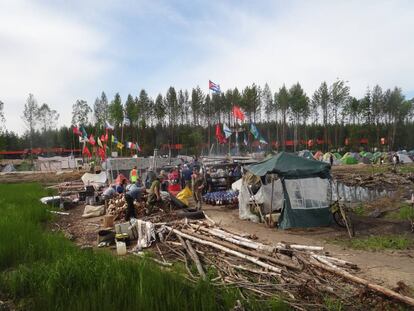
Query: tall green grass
41	270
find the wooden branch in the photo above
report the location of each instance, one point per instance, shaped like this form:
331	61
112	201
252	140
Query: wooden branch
245	251
377	288
226	250
195	258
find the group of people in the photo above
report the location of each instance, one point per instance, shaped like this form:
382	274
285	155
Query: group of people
150	190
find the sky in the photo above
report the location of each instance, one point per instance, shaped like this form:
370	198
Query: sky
62	51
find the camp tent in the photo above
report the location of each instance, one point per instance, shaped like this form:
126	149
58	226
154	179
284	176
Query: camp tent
327	156
404	158
318	155
302	189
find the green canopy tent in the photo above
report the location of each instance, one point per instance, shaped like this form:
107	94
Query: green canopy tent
305	185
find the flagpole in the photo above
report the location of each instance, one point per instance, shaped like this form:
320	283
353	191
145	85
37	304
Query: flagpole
122	135
208	128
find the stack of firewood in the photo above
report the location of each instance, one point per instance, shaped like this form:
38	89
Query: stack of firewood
300	274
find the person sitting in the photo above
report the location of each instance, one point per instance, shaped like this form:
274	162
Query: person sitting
154	194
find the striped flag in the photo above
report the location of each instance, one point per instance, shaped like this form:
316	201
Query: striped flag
214	87
227	131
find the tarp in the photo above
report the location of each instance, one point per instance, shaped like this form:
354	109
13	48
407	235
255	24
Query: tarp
9	168
289	165
90	179
56	163
404	158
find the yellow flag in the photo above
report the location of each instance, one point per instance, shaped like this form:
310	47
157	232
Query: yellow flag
119	145
100	143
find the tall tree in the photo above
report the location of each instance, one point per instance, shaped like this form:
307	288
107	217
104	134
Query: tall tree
100	110
282	104
171	107
321	98
339	92
47	117
197	99
80	112
30	116
251	102
267	100
116	110
159	110
131	109
2	119
299	107
144	108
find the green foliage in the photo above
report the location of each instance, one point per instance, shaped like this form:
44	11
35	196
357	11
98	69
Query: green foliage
376	243
332	304
406	212
360	210
116	110
44	271
80	112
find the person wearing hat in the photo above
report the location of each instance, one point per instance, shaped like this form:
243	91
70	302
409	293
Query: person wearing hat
197	182
154	194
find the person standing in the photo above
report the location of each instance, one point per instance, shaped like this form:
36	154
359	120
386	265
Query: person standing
197	182
154	194
133	175
331	159
185	176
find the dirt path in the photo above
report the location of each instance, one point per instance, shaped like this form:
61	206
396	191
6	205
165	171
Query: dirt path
385	268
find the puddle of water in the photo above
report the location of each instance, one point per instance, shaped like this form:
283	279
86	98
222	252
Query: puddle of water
356	194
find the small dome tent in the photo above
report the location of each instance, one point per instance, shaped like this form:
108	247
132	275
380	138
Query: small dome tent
305	188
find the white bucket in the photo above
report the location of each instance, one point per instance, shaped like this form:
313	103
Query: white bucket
121	248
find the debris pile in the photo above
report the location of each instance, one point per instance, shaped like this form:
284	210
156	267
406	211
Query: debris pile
300	274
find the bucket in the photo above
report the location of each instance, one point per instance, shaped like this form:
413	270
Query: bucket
121	248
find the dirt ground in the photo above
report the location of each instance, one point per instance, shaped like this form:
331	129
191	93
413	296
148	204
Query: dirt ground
45	178
385	267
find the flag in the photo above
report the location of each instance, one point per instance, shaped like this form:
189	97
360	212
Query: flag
126	121
227	131
109	126
76	131
86	152
101	153
262	140
84	134
100	143
120	145
106	135
245	141
130	145
92	140
214	87
254	131
114	140
219	135
138	147
238	113
83	139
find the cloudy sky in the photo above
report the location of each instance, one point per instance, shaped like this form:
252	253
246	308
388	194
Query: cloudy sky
63	50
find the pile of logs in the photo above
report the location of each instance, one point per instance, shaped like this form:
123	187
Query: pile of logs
117	207
388	181
302	275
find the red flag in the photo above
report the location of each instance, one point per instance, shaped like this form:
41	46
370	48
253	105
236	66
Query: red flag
103	138
238	114
219	135
86	152
92	140
106	135
76	131
101	153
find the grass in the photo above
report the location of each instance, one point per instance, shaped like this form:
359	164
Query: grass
359	210
377	243
41	270
406	212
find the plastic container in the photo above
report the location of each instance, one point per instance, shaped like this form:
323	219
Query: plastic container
121	248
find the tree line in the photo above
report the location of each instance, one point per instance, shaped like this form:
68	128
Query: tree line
329	115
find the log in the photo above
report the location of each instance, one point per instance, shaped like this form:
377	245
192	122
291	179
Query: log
375	287
195	258
246	251
226	250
